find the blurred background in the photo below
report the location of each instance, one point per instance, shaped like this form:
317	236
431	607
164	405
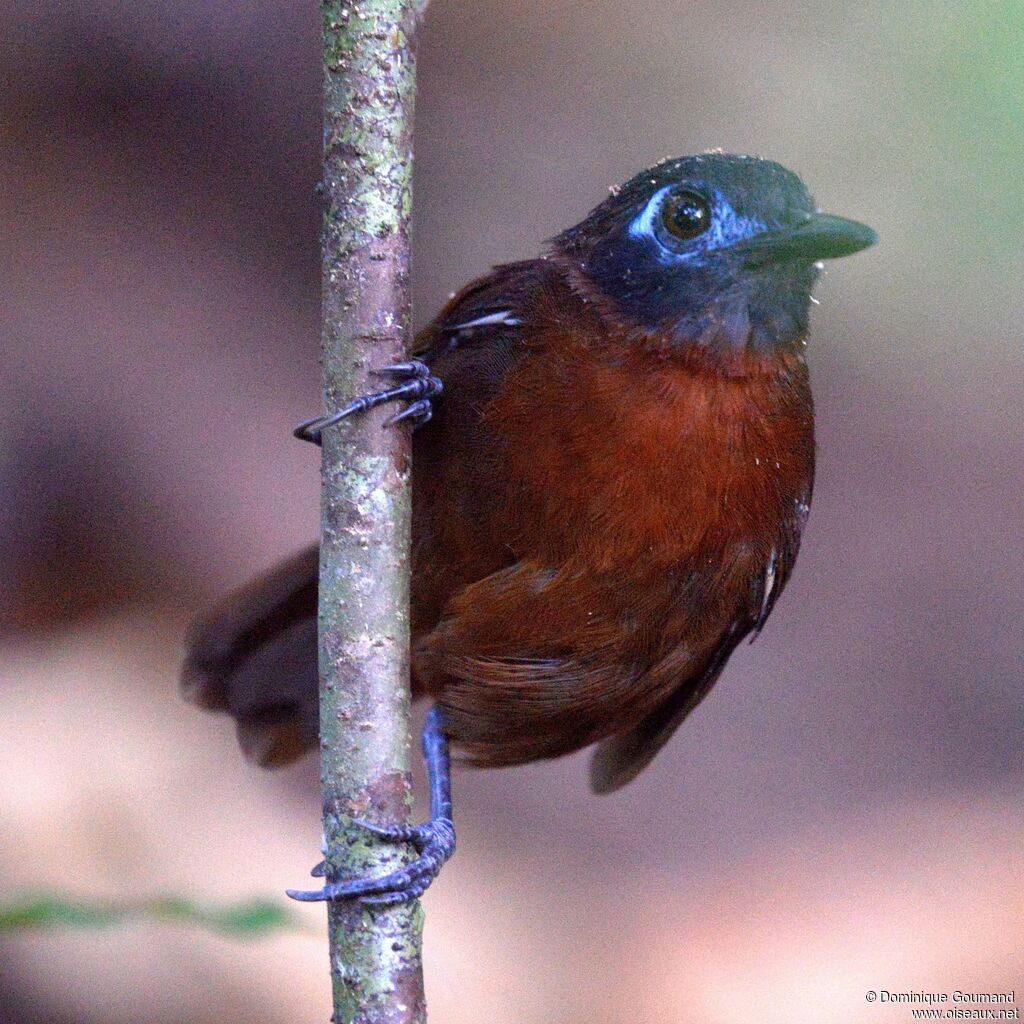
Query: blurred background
843	814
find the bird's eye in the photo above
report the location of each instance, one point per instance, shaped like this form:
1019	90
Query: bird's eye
685	215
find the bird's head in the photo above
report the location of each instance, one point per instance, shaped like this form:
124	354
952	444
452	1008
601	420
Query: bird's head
715	250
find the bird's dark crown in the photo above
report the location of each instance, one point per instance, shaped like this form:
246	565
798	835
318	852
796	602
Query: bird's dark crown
715	250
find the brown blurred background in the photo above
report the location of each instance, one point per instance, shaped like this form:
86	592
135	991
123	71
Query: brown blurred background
843	814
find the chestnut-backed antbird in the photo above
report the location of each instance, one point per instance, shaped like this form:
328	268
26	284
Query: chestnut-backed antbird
607	498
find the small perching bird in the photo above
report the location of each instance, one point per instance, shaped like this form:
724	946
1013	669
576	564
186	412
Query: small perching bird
608	497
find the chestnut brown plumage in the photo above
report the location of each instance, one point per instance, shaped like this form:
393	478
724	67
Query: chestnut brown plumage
610	494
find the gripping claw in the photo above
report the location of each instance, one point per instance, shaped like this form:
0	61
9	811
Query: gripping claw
415	384
434	840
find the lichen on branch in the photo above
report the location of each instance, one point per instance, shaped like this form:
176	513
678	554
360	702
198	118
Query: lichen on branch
369	85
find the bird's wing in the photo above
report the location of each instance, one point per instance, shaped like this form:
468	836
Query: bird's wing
254	656
484	310
527	664
620	758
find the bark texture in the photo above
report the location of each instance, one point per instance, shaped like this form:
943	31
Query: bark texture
369	84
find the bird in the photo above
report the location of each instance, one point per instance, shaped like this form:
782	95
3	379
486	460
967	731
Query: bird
612	468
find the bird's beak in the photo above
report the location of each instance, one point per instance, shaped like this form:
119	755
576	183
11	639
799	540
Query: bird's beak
820	237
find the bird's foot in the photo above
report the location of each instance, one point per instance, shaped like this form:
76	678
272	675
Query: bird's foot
415	384
434	841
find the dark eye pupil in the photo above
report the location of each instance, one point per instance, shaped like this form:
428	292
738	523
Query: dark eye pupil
686	215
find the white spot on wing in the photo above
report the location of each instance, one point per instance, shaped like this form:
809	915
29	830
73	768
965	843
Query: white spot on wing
503	316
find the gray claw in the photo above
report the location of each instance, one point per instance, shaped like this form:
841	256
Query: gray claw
418	414
435	843
415	385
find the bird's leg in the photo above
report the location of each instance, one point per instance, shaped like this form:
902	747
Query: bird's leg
434	840
414	383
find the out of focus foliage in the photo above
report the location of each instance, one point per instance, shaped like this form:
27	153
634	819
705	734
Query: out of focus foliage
250	919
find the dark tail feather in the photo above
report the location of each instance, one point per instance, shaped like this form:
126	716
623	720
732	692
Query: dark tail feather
255	657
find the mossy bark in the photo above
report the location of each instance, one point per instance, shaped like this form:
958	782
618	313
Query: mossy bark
369	83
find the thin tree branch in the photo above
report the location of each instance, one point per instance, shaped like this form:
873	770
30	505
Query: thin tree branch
369	85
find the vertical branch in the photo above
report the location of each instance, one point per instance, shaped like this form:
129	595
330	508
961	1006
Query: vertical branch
369	83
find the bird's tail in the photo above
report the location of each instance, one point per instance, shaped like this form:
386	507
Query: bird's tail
255	657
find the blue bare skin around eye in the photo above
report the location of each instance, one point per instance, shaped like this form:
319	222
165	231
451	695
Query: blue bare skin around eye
726	228
637	271
679	287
